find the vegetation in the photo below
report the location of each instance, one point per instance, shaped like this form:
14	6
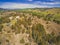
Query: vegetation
22	41
37	26
38	34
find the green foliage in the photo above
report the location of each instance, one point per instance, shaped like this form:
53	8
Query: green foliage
58	38
38	33
22	41
56	21
57	18
0	43
1	27
27	44
0	20
51	38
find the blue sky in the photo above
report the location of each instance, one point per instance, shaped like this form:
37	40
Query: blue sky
16	4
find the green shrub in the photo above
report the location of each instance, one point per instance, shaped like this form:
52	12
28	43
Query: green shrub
0	20
27	44
22	41
1	27
38	33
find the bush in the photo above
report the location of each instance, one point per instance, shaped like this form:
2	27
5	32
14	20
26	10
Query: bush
58	38
0	20
27	44
38	32
1	27
22	41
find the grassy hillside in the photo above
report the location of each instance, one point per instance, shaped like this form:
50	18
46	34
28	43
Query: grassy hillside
30	27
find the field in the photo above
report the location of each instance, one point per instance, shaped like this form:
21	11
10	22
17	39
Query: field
37	26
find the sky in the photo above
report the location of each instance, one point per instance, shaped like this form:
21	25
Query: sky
17	4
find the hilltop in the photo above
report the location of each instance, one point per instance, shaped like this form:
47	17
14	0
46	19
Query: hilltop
38	26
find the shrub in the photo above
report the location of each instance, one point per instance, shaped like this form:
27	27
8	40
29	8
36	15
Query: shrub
22	41
1	27
0	20
38	32
27	44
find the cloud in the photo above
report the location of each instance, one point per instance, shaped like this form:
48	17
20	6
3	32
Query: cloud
30	0
51	3
9	5
46	3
